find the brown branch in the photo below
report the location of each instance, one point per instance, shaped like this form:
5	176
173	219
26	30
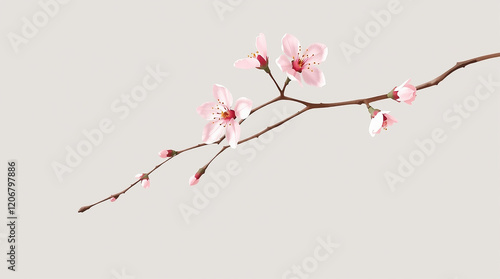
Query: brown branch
261	132
271	75
85	208
457	66
269	128
282	92
308	106
365	101
430	83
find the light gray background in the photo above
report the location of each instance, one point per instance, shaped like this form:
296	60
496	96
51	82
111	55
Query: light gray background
322	175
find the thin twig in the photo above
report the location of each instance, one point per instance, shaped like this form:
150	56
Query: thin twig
271	75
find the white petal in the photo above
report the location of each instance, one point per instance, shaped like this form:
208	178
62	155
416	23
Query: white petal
376	124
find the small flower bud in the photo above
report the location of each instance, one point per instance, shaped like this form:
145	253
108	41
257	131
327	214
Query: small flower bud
380	119
167	153
404	93
193	180
144	179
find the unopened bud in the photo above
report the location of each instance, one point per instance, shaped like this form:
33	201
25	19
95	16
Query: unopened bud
193	180
167	153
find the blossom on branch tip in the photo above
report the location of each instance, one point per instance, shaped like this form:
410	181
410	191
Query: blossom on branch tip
144	179
404	93
297	63
380	119
259	59
222	117
167	153
193	180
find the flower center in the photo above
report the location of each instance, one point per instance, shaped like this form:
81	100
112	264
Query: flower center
384	123
229	114
262	60
297	65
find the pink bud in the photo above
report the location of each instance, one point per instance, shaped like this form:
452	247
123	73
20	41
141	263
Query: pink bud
193	180
404	93
167	153
144	179
263	62
113	199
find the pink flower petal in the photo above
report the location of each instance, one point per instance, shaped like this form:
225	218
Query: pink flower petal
145	183
314	76
261	45
293	75
207	110
138	176
390	119
247	63
284	63
113	199
233	131
213	131
193	180
242	107
290	46
317	53
406	93
163	153
222	95
409	101
402	85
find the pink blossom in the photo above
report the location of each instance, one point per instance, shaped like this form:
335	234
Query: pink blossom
167	153
144	179
222	117
193	180
404	93
113	199
380	119
258	59
296	62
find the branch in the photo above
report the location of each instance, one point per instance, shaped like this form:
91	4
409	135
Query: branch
271	75
85	208
459	65
365	101
308	106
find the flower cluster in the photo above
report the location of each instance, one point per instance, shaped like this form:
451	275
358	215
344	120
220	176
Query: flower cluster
224	117
300	65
